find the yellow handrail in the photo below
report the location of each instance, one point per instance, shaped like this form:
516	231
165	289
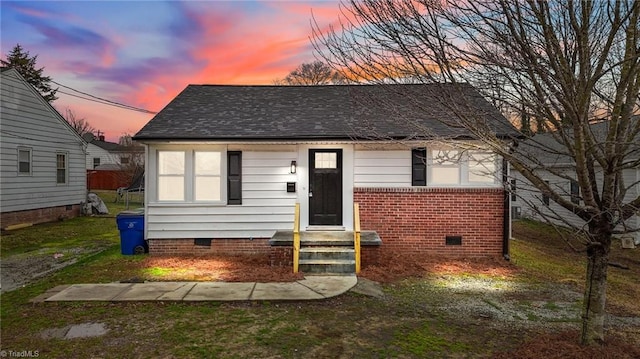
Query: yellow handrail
296	238
356	234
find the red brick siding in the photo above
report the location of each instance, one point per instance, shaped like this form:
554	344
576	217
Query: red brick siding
281	256
40	215
277	255
417	220
164	247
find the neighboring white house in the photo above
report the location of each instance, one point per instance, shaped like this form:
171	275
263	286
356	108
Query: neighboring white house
102	154
43	175
226	166
529	202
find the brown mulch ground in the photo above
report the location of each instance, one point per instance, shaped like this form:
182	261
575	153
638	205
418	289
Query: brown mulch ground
240	268
392	268
256	268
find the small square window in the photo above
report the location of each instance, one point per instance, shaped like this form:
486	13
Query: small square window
96	162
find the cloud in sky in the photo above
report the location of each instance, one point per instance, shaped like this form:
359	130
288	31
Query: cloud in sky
144	53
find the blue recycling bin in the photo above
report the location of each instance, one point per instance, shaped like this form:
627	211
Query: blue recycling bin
131	227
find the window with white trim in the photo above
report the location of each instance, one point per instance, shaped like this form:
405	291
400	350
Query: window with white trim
444	167
207	168
455	167
192	176
24	161
61	168
482	167
171	175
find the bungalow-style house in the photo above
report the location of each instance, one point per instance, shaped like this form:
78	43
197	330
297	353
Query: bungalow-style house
43	176
559	170
226	166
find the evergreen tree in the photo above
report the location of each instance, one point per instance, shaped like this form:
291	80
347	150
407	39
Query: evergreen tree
19	59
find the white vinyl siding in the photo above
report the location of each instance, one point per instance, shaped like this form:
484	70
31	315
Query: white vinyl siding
29	122
266	205
528	197
382	168
104	157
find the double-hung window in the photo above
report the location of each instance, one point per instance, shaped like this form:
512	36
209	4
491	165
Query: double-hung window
171	175
24	161
206	176
207	186
455	167
482	167
444	167
61	168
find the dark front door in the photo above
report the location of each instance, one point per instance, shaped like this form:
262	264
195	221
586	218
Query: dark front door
325	187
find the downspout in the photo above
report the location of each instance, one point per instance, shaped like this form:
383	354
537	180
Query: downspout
506	212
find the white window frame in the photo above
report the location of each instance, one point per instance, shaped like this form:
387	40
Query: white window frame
30	151
463	168
182	175
211	176
494	177
66	168
432	166
190	176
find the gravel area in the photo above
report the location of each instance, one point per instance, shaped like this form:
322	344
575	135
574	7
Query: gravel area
21	269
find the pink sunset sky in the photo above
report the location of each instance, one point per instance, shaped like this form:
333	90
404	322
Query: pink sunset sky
143	53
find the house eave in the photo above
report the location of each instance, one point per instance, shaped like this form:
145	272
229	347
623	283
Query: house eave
299	140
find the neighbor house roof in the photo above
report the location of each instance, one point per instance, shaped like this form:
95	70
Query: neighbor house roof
223	112
110	146
548	149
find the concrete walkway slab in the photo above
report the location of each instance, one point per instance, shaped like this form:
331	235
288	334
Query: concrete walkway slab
152	291
310	288
329	286
284	291
220	291
179	293
90	292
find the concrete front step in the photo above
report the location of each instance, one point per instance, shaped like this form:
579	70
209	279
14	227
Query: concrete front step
337	266
327	253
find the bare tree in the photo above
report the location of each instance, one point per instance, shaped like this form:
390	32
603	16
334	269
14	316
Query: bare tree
562	64
80	125
314	73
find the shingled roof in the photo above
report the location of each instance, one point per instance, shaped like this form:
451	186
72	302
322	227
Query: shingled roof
343	112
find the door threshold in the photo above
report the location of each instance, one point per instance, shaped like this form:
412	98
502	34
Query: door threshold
325	228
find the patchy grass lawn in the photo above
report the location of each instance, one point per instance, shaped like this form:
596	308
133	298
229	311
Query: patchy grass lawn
543	256
528	308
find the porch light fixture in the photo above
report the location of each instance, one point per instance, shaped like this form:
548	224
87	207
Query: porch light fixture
293	167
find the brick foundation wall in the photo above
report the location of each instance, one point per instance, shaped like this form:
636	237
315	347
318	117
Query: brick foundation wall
277	255
281	256
40	215
166	247
417	220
